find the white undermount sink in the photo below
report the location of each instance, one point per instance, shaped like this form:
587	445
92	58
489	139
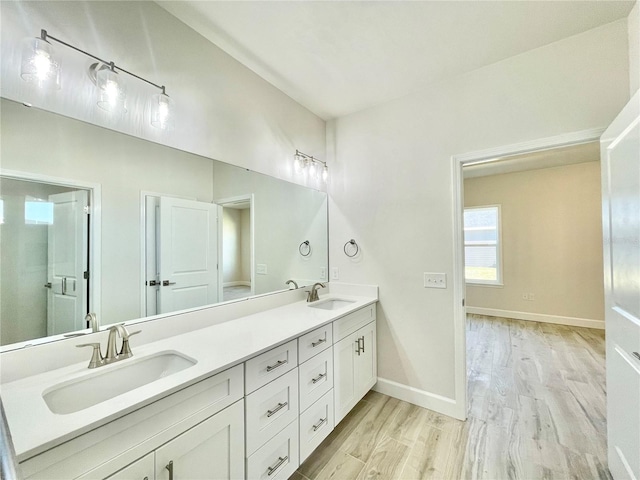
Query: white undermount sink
331	304
101	385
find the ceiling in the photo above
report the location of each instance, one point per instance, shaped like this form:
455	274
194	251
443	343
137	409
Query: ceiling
339	57
556	157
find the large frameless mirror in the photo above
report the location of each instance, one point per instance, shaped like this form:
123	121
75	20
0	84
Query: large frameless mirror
93	220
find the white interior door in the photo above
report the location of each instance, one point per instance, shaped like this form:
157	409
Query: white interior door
620	155
188	246
68	247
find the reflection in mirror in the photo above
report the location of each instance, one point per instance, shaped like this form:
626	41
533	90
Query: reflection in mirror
167	230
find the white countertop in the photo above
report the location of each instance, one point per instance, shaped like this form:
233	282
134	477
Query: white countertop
35	428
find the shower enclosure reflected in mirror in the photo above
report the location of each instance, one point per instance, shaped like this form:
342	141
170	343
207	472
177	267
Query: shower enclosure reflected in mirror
163	230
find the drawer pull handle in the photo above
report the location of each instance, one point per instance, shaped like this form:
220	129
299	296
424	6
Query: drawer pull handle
318	378
320	423
169	467
636	354
320	341
279	363
280	406
281	460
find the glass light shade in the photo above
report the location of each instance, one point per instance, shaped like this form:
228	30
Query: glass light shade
112	92
162	111
39	65
298	163
325	173
313	169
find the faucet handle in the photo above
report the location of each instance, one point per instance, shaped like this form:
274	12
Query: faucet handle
96	356
125	350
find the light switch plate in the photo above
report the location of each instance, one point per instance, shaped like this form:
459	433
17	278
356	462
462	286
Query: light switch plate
335	273
435	280
261	269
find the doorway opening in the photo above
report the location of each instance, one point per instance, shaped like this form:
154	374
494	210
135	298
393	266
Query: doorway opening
459	286
237	247
528	280
47	251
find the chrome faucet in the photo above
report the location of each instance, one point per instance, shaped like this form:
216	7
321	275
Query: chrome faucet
289	282
312	295
112	355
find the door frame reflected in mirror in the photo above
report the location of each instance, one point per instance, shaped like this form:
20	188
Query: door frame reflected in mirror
94	241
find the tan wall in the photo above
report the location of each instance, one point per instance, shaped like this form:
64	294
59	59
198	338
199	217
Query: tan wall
551	241
634	48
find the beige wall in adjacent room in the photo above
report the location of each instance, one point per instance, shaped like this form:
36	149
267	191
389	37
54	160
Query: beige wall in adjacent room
551	241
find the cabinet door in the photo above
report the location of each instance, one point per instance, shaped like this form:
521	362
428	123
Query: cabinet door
366	365
142	469
213	449
344	368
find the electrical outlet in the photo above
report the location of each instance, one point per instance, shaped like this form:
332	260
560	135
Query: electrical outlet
435	280
323	273
525	296
261	269
335	273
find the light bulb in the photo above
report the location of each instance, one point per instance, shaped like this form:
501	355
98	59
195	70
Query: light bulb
162	108
112	92
325	173
313	170
39	65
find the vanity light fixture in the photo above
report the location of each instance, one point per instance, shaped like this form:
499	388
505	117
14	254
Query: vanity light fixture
40	66
316	168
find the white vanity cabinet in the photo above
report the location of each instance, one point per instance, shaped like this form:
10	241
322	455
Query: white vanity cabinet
354	359
202	414
271	413
316	388
212	449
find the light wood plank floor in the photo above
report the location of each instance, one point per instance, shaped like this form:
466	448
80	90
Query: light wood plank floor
536	410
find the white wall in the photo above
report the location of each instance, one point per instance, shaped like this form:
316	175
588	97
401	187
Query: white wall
391	186
551	242
224	110
633	21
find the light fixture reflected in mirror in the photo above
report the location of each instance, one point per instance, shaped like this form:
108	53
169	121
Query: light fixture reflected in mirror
41	67
307	165
39	64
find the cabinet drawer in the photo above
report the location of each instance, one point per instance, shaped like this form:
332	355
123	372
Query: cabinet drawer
350	323
315	378
270	409
270	365
278	459
315	424
314	342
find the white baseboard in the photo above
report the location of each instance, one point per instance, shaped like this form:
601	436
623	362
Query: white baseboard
241	283
438	403
538	317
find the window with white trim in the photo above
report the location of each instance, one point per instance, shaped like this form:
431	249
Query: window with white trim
482	249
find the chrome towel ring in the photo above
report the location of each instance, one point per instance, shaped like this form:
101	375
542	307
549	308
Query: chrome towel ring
351	248
305	248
